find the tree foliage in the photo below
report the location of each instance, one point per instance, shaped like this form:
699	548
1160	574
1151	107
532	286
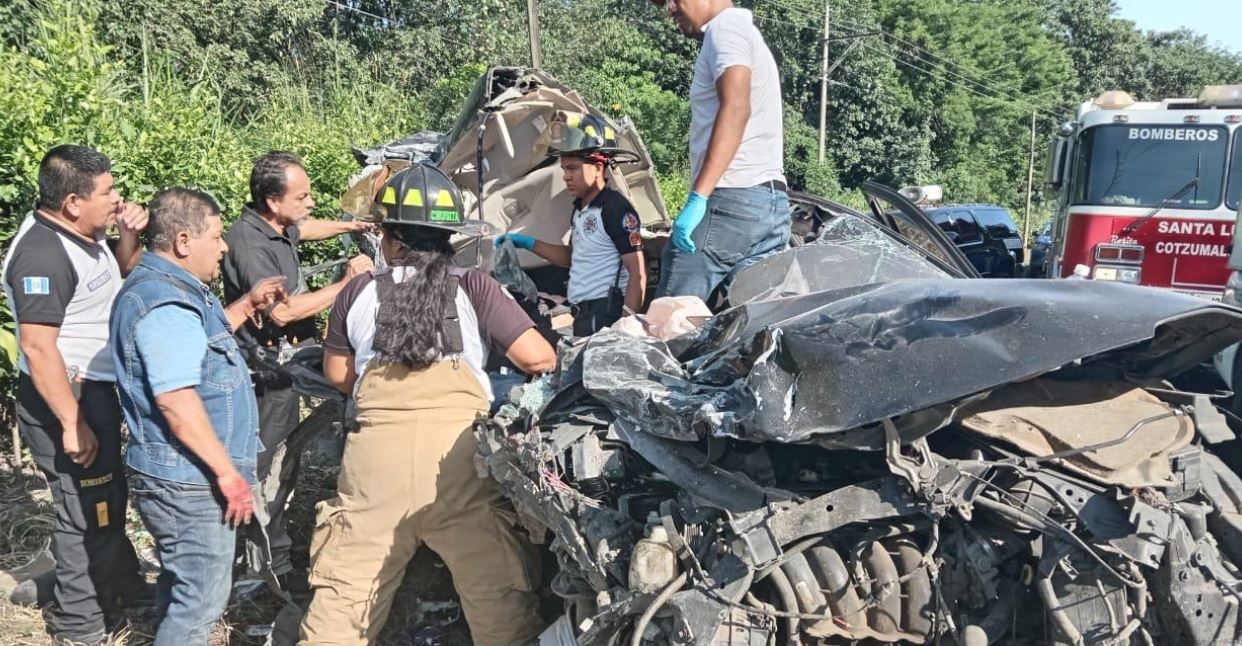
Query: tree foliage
189	91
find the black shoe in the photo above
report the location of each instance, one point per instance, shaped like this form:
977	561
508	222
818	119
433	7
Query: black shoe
100	638
134	592
34	593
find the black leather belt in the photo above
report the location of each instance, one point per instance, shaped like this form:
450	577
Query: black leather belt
775	185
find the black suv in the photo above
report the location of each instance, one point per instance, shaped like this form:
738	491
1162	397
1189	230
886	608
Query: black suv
986	234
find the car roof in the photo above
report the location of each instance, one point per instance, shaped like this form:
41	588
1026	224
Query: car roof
944	207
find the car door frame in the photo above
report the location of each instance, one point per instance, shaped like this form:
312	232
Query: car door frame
875	191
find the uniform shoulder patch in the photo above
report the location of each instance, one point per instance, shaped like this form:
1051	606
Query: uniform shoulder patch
33	285
630	222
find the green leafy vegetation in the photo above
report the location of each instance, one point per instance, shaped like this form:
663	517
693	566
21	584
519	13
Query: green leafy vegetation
190	91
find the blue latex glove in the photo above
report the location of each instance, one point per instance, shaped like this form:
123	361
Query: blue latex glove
519	240
687	221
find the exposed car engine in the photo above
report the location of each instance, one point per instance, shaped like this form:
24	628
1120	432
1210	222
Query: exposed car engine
885	462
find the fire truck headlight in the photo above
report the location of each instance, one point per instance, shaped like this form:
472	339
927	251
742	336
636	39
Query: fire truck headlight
1117	274
1128	276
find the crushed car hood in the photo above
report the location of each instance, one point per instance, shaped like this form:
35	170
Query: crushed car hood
830	366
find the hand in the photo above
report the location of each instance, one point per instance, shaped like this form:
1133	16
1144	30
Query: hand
267	292
687	221
238	500
131	219
359	226
519	240
80	443
357	266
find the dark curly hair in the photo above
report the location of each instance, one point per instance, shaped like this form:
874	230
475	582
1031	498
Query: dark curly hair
410	330
267	177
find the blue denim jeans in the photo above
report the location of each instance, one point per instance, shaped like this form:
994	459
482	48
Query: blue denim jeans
742	226
195	547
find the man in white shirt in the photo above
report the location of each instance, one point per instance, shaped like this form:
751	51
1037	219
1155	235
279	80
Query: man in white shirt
61	275
738	209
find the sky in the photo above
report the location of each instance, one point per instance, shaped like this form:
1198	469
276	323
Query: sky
1216	19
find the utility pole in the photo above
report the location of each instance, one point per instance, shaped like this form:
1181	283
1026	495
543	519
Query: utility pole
1030	187
823	85
532	25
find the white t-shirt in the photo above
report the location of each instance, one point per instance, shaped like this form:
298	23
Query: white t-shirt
54	277
489	317
730	39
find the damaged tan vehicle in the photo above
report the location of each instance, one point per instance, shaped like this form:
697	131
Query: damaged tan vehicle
497	153
867	445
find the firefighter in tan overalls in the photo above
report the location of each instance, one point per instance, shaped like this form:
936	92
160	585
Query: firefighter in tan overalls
409	343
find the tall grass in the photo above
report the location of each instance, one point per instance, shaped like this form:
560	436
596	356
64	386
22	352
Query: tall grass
63	84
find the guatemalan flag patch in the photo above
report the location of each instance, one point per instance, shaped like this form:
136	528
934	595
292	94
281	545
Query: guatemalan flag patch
36	285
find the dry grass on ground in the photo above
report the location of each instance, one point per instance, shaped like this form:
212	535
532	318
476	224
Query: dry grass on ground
426	610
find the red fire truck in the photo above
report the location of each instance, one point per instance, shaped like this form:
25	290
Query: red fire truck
1148	191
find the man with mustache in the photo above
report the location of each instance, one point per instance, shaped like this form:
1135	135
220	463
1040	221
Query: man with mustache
61	276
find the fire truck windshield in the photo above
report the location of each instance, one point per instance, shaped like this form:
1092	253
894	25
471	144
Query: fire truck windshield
1142	165
1234	194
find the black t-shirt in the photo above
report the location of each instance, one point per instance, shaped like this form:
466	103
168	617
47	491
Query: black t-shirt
258	251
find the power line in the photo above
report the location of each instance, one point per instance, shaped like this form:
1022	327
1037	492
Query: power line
995	94
817	29
983	74
356	10
1028	102
1003	89
931	73
859	26
388	21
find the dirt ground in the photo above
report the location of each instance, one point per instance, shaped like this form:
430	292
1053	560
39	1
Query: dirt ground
425	613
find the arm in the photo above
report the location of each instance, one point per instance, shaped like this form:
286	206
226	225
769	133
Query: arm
315	229
128	252
733	88
131	222
189	423
531	353
636	286
505	326
171	342
262	296
304	306
338	368
50	377
558	254
42	283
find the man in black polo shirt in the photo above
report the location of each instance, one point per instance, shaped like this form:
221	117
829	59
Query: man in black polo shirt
61	275
263	243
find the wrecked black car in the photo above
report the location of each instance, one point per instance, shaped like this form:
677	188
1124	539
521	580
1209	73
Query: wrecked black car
869	445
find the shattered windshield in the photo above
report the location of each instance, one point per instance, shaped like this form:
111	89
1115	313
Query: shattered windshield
849	253
1123	165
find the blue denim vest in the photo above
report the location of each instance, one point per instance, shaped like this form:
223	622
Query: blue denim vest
226	389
